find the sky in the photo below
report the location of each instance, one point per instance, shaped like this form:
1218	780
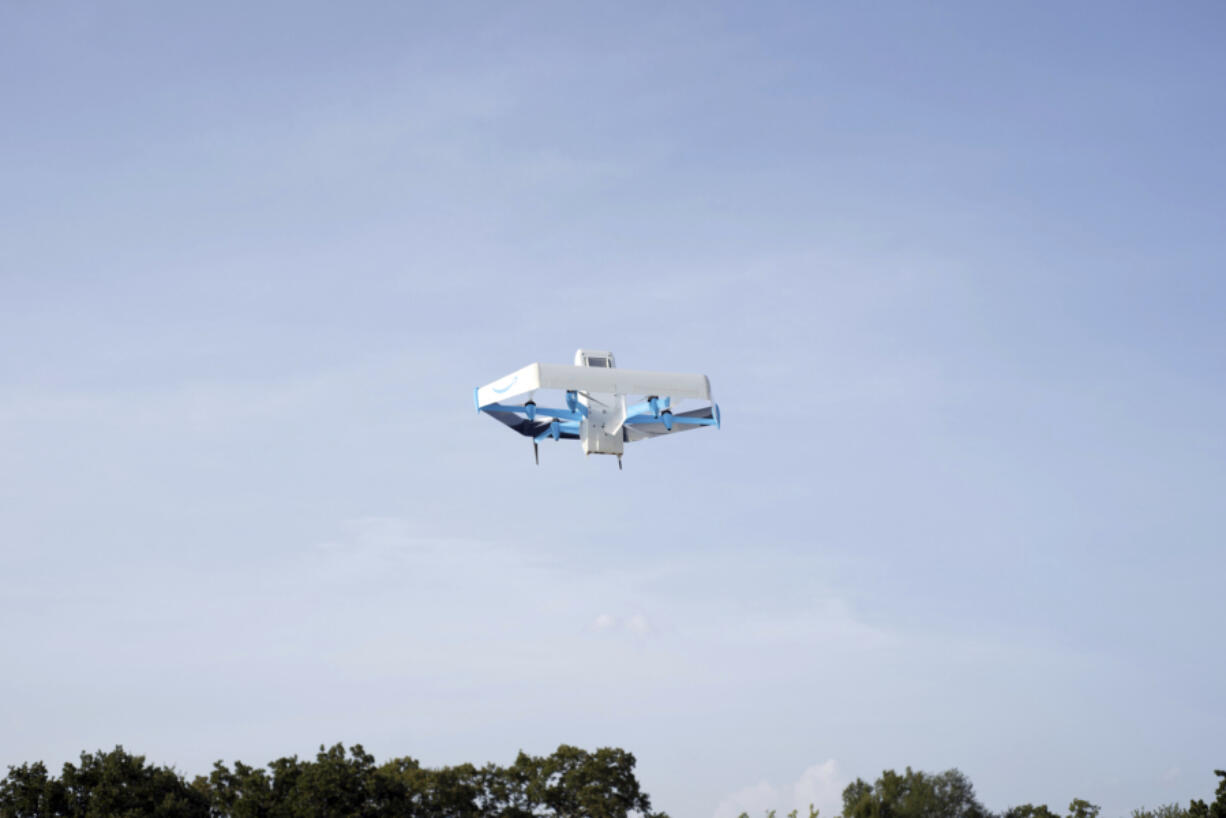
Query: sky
955	271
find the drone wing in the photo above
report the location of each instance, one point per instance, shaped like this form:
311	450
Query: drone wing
512	401
647	425
591	379
535	429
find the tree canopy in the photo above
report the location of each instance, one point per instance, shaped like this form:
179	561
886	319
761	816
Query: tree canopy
913	795
349	783
569	783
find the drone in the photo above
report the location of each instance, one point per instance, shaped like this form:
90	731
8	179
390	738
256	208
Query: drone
604	407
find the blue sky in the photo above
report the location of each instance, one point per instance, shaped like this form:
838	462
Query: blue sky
955	272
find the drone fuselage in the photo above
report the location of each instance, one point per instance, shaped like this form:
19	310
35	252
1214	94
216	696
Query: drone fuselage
603	409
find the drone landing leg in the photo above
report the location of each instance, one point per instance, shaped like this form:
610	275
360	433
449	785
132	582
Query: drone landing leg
619	462
536	452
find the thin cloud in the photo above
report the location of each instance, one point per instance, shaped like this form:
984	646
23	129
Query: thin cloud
820	785
605	622
755	800
639	624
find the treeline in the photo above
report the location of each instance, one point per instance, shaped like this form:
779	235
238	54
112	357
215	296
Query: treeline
950	795
566	784
569	783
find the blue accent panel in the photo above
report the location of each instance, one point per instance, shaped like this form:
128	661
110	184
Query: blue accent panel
476	400
641	408
567	429
560	414
696	421
716	410
682	419
667	420
532	412
556	430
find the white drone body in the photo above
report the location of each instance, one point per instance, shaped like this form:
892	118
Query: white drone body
604	407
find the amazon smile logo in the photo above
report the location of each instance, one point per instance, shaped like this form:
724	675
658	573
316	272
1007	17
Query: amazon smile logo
508	386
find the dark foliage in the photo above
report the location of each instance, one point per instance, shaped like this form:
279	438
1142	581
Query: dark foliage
104	785
336	784
1199	809
913	795
340	783
1029	811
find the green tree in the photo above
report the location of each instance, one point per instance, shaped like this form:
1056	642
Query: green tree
1218	808
1199	809
913	795
1029	811
28	792
104	785
504	791
1080	808
453	792
336	784
396	788
1164	811
573	783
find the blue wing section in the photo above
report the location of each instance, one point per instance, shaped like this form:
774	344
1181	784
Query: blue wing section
537	429
652	417
655	421
538	422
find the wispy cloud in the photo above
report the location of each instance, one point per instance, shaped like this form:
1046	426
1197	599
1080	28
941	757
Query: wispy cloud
605	622
820	785
755	799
